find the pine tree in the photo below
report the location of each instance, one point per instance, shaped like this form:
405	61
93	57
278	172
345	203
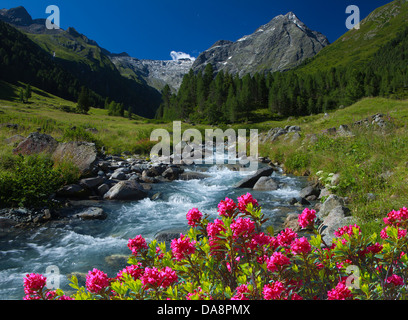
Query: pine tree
27	93
21	95
83	101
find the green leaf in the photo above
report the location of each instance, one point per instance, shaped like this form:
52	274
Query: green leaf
228	292
316	241
74	282
365	288
119	288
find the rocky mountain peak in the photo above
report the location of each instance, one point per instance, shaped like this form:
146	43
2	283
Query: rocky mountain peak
17	16
21	19
282	43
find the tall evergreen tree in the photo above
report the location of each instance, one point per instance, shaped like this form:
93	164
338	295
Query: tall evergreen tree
83	101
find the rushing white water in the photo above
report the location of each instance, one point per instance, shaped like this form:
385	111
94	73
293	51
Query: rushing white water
79	246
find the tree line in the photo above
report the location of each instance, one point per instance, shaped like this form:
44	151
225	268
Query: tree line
219	98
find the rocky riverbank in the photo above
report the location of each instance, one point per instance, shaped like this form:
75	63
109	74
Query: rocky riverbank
118	178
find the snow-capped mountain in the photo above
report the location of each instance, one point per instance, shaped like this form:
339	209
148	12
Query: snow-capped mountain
156	73
281	44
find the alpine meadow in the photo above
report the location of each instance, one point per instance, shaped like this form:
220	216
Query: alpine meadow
312	205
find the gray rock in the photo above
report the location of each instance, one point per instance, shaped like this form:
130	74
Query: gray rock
73	191
81	154
47	214
102	189
294	129
104	165
250	181
311	198
296	137
324	193
309	191
156	196
6	224
92	182
336	218
292	222
172	173
190	175
344	131
36	143
312	137
279	133
333	201
266	183
118	175
126	190
92	213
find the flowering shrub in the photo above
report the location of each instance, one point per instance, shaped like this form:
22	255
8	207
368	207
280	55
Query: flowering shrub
236	257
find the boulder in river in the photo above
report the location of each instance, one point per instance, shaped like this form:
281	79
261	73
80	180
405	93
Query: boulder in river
249	182
172	173
126	190
266	183
92	213
190	175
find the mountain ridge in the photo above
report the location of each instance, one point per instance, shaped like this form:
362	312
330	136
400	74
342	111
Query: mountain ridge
281	44
87	61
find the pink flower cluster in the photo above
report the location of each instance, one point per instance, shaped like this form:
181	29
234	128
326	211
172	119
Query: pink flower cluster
214	229
273	290
261	241
395	280
301	246
244	200
96	281
341	292
396	217
286	265
158	278
134	270
226	207
307	218
33	283
242	293
137	244
277	261
194	217
242	227
182	247
286	237
346	230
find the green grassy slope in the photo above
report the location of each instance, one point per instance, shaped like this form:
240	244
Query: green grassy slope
372	161
45	111
356	46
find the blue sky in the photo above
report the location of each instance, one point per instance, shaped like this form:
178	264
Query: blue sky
151	29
